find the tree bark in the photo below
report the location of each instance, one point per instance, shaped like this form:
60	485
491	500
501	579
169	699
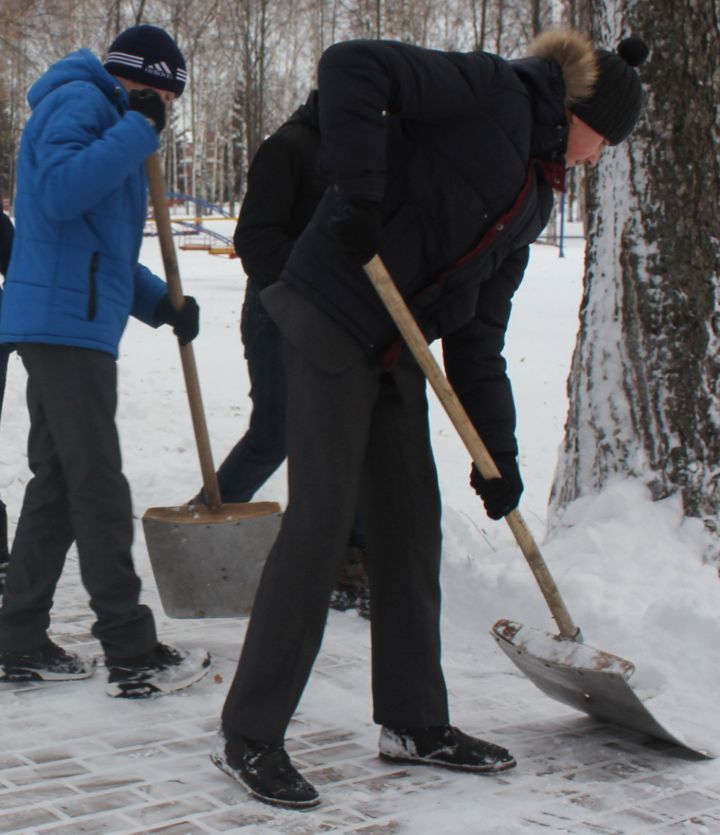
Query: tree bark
643	388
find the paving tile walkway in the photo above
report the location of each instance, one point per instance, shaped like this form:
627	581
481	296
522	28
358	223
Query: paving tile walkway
74	761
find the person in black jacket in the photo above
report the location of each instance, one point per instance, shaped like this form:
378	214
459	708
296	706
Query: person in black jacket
444	164
7	233
284	186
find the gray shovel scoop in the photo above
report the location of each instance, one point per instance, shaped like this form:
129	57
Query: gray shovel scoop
206	559
562	666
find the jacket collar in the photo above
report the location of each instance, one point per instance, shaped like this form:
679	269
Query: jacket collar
545	85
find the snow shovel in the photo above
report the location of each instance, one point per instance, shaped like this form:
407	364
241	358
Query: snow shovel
562	666
206	560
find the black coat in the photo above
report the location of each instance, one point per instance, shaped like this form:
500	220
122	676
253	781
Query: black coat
7	234
283	189
446	141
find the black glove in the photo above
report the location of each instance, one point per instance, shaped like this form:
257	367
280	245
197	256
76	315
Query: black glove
357	224
149	103
185	322
499	495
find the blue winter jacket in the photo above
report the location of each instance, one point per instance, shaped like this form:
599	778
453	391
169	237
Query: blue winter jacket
80	210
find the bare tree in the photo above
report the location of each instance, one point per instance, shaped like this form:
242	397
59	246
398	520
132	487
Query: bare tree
250	62
479	18
535	16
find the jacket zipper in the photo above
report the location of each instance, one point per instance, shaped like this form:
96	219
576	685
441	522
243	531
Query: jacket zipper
92	290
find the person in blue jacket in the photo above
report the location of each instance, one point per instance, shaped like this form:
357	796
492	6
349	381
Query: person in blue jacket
444	164
7	232
74	280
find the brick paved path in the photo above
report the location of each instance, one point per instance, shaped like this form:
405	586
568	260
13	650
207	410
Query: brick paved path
74	761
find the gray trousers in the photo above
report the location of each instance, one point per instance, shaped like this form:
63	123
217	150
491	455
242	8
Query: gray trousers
77	493
359	432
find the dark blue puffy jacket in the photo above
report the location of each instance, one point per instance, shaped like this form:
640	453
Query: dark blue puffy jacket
80	210
456	146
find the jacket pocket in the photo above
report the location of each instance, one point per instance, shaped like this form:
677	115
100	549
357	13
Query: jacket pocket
92	286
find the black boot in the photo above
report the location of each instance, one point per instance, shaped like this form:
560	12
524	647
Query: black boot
46	663
265	771
443	746
162	670
364	604
343	598
352	582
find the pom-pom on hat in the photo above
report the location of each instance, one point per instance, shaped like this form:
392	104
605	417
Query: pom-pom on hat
613	108
149	55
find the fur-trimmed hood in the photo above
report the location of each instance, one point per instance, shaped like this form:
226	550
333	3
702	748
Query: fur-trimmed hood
561	69
575	56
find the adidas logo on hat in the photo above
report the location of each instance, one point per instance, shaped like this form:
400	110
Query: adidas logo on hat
159	69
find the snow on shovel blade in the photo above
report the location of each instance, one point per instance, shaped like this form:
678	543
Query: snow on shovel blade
590	680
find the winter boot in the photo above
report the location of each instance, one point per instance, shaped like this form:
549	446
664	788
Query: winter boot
352	580
363	605
47	663
343	598
265	771
443	746
162	670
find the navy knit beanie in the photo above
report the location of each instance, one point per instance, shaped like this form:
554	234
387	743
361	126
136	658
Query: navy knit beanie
149	55
614	106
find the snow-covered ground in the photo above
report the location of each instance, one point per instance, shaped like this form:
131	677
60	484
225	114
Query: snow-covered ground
630	571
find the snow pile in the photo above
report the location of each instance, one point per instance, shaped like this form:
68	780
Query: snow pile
631	574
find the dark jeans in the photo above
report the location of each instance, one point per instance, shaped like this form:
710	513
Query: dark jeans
77	493
263	448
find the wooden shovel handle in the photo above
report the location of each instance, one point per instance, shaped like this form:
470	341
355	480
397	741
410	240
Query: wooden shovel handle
156	184
417	344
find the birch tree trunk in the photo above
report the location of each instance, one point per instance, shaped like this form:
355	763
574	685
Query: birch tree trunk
644	384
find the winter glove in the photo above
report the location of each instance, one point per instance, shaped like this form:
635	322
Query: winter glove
499	495
357	224
149	103
185	322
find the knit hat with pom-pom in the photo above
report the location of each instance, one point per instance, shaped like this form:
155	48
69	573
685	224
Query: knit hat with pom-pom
613	108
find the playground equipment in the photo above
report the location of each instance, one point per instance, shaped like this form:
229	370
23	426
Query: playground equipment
192	230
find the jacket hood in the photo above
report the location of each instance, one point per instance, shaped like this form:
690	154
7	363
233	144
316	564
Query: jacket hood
81	65
561	70
544	82
573	53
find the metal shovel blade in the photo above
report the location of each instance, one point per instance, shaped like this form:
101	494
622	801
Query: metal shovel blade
207	563
587	679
